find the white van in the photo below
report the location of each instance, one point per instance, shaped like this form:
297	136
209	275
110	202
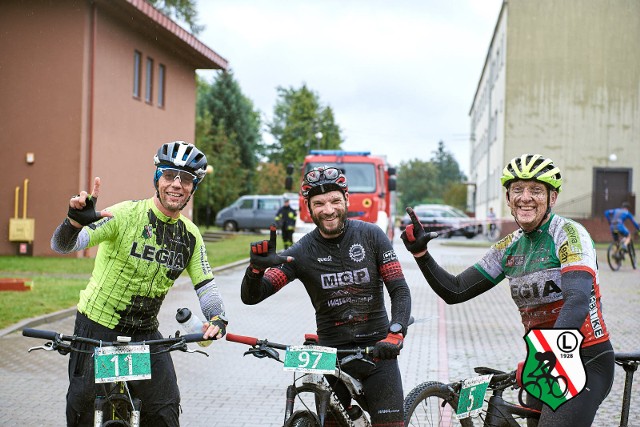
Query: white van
252	212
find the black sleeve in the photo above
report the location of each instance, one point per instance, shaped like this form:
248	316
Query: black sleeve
400	304
254	287
453	289
576	293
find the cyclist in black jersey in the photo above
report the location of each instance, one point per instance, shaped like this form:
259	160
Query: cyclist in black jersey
550	263
344	266
144	246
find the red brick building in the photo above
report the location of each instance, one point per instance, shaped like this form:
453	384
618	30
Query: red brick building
89	88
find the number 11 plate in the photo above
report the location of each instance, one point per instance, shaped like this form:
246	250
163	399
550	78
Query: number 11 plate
122	363
312	359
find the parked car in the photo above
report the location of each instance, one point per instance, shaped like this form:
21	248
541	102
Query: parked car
445	220
252	212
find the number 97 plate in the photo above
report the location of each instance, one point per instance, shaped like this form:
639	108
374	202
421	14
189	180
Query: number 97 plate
312	359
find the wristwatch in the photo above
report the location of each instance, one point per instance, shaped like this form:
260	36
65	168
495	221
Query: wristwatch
395	328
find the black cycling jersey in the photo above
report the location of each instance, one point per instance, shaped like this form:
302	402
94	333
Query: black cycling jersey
344	278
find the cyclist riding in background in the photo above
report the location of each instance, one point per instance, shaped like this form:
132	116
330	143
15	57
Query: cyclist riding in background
286	220
144	246
550	263
344	265
616	218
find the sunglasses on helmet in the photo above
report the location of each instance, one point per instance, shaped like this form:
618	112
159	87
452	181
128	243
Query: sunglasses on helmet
317	174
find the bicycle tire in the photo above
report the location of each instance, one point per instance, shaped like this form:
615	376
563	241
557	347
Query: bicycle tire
334	412
303	418
614	263
632	254
432	403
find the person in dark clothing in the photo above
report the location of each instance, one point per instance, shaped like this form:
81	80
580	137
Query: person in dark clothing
345	266
286	220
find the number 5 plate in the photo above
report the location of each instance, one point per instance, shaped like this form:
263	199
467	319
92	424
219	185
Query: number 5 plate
310	359
122	363
472	396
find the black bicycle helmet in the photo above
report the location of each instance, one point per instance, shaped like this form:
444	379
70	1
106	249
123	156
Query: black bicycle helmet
323	179
532	167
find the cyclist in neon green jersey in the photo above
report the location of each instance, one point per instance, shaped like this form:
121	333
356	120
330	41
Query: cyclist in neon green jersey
143	247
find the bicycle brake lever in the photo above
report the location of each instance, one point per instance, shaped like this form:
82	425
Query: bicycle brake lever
263	352
47	346
190	350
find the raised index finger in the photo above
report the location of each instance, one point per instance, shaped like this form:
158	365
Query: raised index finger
96	187
273	235
414	219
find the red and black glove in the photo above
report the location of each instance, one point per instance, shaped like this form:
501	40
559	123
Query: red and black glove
263	254
388	348
414	237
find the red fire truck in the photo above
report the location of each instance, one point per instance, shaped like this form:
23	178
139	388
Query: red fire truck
372	185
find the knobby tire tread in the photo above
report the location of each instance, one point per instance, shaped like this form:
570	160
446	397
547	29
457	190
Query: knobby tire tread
425	391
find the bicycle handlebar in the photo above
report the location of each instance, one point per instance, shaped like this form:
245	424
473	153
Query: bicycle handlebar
54	336
253	342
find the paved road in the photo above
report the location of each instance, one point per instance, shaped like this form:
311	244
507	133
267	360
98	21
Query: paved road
229	390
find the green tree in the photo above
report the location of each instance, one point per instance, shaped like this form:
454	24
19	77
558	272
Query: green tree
448	168
439	180
298	120
181	10
234	114
269	178
417	183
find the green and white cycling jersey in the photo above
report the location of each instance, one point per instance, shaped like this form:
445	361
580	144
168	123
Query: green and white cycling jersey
142	252
533	264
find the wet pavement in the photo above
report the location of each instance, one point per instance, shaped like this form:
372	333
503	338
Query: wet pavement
228	390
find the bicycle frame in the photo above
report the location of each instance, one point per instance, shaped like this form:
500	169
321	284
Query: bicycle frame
325	399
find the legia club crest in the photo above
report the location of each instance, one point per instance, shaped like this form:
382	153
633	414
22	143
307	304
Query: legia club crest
553	371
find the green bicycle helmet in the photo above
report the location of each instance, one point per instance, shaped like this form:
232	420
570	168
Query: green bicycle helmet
532	167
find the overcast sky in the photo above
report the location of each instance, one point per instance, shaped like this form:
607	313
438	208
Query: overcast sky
400	75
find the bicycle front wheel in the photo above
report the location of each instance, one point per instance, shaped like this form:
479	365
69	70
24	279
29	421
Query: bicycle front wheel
432	404
632	254
612	257
303	419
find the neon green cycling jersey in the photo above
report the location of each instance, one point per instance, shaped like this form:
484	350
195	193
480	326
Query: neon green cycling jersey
142	252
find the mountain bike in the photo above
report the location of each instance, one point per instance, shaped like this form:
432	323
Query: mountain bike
461	403
310	388
616	254
115	363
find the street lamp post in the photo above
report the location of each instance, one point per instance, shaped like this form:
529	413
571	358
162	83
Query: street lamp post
318	138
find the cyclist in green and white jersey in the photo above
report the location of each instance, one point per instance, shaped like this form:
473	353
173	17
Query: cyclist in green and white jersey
550	263
143	247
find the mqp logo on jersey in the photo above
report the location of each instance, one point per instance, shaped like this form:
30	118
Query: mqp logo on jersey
553	371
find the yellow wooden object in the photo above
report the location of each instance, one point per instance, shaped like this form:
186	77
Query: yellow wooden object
21	229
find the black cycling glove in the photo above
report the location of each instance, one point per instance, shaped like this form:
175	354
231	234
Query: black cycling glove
221	322
263	254
414	237
87	214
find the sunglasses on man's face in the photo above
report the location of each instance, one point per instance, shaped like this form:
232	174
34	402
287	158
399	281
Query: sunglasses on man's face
317	174
172	174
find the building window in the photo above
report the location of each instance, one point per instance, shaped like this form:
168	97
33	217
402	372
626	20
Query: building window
137	70
162	72
148	84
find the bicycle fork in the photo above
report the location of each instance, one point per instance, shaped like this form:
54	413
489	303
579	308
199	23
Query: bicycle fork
114	401
322	398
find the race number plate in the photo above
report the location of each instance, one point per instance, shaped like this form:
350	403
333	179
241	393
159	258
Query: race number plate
472	396
310	359
122	363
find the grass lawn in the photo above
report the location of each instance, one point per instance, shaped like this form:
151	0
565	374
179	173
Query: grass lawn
57	281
